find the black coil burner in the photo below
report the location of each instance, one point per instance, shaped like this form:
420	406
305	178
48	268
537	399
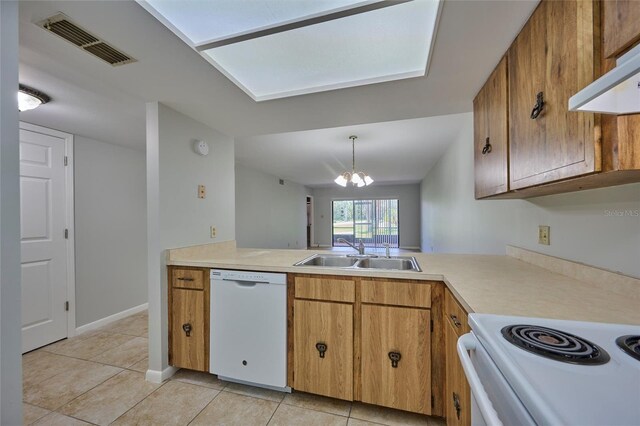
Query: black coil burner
630	344
555	344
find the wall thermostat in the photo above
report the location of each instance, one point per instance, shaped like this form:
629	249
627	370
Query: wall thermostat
201	147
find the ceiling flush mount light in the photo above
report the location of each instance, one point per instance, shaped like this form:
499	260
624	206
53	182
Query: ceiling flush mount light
29	98
358	179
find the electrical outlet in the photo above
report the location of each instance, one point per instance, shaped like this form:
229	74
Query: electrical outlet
543	234
202	191
213	232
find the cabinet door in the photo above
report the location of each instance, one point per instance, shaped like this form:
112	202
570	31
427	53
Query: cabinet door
526	79
189	343
404	331
490	127
328	372
457	393
554	55
621	26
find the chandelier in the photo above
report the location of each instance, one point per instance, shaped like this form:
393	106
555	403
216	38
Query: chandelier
358	179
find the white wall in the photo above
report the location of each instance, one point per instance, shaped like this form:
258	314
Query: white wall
409	205
584	225
176	217
110	229
10	319
269	215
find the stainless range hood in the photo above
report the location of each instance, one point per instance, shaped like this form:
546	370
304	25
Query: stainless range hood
617	92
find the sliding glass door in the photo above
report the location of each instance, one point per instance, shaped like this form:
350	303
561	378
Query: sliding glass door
374	222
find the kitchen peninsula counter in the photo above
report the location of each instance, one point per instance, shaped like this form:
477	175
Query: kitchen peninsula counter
494	284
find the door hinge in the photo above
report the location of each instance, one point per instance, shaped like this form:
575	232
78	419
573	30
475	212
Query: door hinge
431	325
66	160
66	306
66	234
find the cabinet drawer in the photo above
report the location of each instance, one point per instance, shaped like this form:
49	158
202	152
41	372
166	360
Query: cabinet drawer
455	314
336	290
396	293
188	278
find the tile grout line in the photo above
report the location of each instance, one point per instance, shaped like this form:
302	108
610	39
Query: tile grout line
274	412
88	390
122	369
205	407
139	402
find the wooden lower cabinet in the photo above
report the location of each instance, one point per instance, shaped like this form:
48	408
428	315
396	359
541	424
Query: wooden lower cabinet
364	326
457	392
323	348
396	357
188	324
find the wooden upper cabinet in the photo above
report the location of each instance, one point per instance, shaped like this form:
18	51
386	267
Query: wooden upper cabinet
620	26
554	56
491	134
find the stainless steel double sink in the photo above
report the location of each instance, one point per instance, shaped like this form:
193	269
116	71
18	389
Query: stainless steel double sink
396	263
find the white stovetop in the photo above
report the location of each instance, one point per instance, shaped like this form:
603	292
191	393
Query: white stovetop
556	392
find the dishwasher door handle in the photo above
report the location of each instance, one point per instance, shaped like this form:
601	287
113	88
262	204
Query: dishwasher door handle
242	283
468	342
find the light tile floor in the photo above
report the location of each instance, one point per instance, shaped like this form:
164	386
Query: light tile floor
98	378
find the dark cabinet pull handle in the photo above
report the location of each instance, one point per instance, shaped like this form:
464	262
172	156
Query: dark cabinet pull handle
322	348
395	358
537	109
487	147
456	404
455	320
184	279
187	329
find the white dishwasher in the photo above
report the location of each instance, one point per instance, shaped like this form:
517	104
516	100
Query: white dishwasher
249	327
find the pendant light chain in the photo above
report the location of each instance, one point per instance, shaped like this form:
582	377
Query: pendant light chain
353	153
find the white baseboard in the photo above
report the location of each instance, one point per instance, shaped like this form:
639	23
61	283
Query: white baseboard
111	318
155	376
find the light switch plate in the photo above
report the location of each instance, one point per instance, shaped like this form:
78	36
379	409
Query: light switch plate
202	191
543	235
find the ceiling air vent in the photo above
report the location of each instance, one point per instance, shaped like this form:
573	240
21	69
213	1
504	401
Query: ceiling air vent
62	26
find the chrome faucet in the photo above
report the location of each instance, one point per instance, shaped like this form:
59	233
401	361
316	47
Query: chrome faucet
386	251
360	246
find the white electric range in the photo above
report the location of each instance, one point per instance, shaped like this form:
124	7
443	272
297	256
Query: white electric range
532	371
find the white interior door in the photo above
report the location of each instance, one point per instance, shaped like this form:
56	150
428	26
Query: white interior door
43	215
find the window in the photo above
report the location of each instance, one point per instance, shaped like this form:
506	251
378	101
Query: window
374	222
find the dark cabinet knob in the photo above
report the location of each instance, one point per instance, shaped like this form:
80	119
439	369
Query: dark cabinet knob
537	109
187	329
455	320
487	147
322	348
456	404
395	358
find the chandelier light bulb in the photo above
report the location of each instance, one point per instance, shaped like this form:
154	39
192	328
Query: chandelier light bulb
341	180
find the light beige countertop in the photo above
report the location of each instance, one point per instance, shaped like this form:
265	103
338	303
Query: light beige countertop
492	284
